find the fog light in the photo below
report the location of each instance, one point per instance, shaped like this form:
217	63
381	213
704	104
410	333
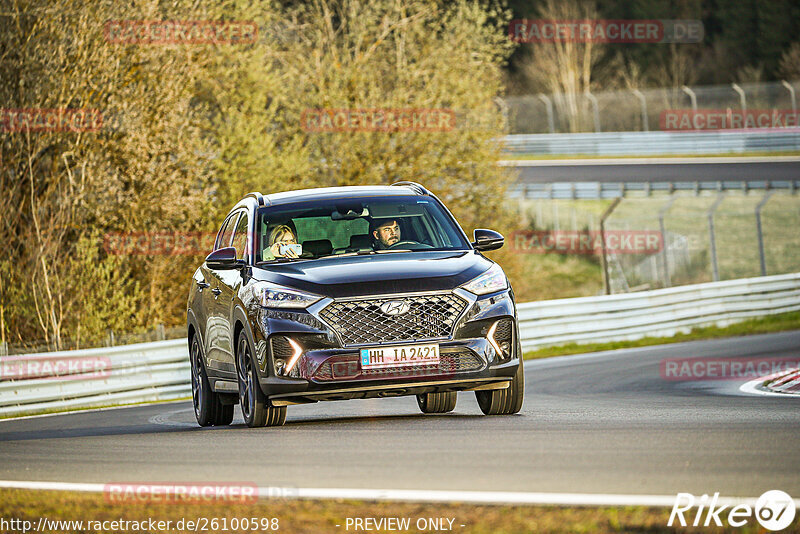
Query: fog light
298	351
500	337
285	354
492	341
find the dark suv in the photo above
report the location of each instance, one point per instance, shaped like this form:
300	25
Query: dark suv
349	293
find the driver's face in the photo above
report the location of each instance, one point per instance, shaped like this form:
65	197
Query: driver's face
388	234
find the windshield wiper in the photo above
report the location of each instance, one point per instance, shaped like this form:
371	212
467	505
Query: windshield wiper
282	260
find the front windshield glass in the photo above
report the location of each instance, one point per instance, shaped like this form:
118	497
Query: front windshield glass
335	227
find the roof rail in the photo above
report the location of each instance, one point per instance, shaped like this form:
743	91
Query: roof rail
413	185
258	196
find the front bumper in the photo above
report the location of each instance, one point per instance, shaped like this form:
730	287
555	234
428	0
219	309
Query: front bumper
328	371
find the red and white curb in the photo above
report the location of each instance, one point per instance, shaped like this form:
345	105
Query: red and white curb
783	384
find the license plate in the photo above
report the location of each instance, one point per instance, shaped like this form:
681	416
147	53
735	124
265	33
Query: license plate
399	356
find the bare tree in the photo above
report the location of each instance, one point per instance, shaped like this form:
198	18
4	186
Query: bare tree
567	68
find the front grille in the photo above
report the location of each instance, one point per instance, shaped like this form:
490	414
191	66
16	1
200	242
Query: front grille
340	367
361	322
281	347
504	331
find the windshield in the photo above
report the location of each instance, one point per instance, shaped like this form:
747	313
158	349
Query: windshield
334	227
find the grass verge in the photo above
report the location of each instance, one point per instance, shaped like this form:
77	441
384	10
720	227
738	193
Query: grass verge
318	517
763	325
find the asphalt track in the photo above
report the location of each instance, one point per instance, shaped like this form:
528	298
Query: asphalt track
600	423
658	170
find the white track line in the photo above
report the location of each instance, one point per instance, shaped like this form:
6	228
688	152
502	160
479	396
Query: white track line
92	410
645	161
425	496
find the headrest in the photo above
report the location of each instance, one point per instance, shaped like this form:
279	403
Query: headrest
318	247
360	241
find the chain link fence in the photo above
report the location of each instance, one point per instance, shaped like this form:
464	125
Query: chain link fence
640	110
700	237
112	338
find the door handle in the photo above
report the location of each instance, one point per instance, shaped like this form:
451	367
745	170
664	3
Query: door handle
217	291
202	285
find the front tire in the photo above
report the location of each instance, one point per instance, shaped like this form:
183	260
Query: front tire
208	407
257	410
441	402
504	401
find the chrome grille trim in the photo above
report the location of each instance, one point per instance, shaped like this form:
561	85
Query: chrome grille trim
358	321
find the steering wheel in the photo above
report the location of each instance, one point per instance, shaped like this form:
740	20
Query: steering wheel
417	244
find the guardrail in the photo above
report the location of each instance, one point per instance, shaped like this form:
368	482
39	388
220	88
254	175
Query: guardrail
603	190
655	143
95	377
661	312
160	370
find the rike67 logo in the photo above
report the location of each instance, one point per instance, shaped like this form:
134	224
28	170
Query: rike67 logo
774	510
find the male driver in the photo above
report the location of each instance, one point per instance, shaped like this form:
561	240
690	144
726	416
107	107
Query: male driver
385	233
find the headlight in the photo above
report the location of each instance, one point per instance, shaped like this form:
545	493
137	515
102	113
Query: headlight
275	296
492	280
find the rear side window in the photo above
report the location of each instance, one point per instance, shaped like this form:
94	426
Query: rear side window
226	232
240	237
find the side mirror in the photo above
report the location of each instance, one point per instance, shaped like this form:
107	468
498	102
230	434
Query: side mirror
224	258
487	240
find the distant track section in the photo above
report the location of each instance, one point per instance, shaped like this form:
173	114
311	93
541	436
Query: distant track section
778	168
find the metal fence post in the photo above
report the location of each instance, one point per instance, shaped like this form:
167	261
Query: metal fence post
692	96
3	348
664	263
742	99
503	109
539	215
160	334
714	265
645	122
760	233
551	123
556	225
606	215
596	109
789	88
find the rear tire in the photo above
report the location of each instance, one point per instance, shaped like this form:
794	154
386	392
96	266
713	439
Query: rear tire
441	402
208	408
257	410
504	401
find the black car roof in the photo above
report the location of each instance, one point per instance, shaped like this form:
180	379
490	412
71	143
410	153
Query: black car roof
254	200
323	193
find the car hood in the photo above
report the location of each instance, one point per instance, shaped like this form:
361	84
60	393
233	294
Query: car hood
377	274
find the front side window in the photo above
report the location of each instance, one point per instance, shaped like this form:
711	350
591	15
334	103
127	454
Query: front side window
240	237
226	232
337	227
